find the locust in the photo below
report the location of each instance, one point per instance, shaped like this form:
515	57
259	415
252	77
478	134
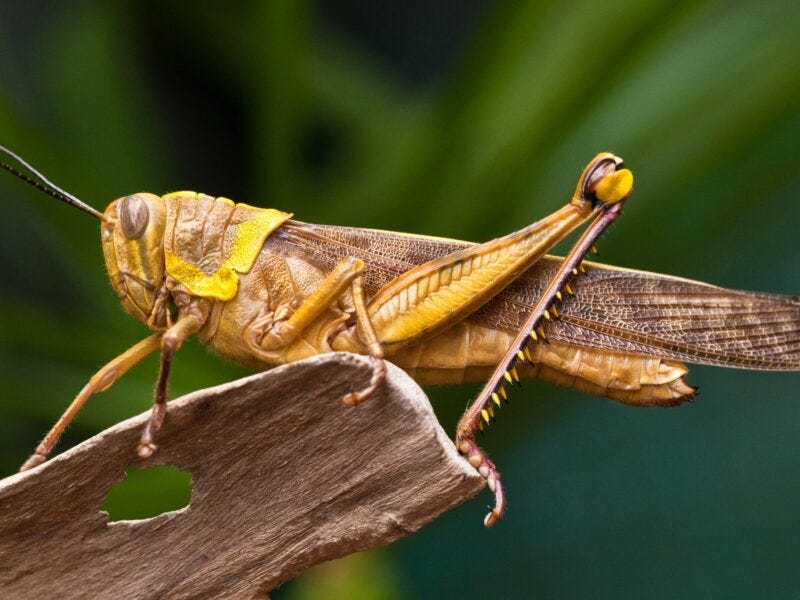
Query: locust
263	289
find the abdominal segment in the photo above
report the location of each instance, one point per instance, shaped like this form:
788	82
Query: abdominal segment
469	352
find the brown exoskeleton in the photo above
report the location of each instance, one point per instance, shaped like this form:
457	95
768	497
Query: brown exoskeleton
262	289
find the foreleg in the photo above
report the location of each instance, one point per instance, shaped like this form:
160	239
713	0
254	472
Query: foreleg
100	382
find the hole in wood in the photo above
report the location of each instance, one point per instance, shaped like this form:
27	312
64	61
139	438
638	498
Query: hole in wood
147	493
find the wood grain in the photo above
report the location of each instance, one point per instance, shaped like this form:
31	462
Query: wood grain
284	477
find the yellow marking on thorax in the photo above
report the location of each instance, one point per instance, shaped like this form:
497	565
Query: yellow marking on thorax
249	236
222	284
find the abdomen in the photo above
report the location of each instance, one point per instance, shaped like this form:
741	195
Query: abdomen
469	352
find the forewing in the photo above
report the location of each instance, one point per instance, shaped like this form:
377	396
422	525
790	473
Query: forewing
614	309
651	314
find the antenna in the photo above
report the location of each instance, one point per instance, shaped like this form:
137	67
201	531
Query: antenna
40	182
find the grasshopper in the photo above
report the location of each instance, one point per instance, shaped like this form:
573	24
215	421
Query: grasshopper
260	288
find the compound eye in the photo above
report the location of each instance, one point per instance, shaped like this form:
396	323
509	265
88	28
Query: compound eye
134	214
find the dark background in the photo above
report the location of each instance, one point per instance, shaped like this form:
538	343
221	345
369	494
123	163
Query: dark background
460	119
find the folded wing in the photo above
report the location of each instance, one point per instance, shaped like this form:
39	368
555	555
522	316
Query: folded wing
614	309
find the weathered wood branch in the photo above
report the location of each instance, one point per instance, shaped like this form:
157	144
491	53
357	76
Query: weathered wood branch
284	477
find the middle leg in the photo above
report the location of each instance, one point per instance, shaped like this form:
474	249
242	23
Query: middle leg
265	341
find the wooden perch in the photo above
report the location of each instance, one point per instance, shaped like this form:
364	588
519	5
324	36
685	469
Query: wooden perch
284	477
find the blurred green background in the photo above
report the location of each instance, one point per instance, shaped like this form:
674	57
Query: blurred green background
461	119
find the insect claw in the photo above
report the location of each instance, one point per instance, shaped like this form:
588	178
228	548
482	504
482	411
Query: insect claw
533	336
485	415
508	378
479	461
569	289
146	450
559	295
493	481
502	391
521	356
554	310
515	375
496	399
